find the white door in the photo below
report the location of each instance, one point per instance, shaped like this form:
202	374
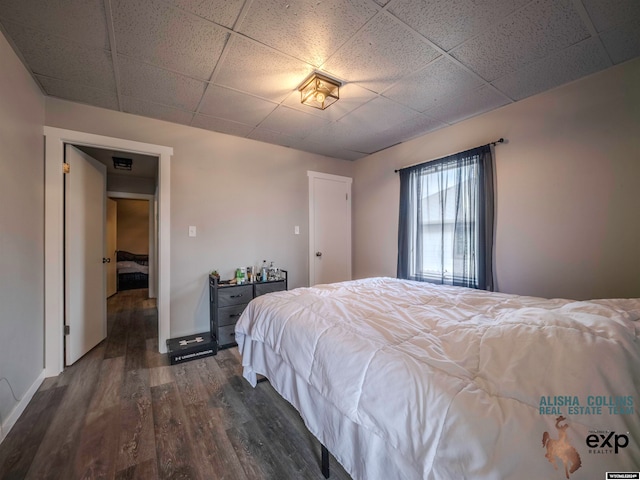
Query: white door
111	241
85	212
329	228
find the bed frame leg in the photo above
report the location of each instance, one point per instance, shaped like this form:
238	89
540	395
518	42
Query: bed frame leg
325	461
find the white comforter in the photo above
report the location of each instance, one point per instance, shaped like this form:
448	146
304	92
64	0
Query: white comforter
453	379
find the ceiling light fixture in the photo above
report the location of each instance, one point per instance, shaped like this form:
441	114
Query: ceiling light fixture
319	91
121	163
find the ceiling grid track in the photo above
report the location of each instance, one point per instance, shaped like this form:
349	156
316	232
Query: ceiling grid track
223	56
114	50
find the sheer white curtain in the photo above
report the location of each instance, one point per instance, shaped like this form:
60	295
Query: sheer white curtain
446	220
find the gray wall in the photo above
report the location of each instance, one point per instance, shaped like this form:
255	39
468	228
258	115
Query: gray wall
567	190
130	184
244	197
21	229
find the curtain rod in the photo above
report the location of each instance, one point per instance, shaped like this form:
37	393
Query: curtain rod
500	140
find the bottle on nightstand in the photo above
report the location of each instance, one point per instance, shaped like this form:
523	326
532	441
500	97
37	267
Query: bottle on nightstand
263	271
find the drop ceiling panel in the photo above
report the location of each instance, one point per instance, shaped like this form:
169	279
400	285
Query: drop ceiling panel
154	110
379	114
293	123
606	14
82	21
222	126
269	136
623	43
151	31
277	23
448	23
340	135
156	85
380	54
260	70
468	105
236	106
415	127
79	93
441	81
223	13
361	129
395	133
374	143
541	28
63	59
327	149
575	62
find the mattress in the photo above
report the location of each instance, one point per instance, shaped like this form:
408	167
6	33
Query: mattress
132	267
425	381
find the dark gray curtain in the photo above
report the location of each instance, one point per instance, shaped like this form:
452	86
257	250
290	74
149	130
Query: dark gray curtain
445	232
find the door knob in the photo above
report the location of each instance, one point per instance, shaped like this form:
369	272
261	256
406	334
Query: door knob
318	254
106	260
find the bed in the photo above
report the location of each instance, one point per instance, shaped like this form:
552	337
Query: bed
132	269
408	380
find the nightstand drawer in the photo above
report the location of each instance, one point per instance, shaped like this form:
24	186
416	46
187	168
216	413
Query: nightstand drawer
230	315
234	295
226	335
263	288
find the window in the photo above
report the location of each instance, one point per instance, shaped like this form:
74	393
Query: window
446	220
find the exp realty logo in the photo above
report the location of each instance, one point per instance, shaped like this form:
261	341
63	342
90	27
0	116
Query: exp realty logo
598	442
603	442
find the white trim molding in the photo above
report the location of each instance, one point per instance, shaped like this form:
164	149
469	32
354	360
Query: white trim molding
10	421
55	139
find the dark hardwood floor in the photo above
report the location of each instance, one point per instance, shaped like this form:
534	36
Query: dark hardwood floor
122	412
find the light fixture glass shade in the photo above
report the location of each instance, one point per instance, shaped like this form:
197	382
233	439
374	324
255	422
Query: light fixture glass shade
319	91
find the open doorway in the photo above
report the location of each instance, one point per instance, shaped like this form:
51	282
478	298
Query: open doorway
132	244
55	140
132	181
135	235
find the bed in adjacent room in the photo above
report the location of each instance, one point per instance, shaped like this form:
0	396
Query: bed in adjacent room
401	379
133	270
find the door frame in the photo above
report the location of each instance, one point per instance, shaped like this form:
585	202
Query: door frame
110	253
335	178
152	232
55	140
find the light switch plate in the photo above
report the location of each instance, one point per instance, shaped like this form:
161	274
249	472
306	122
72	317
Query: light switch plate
192	231
296	230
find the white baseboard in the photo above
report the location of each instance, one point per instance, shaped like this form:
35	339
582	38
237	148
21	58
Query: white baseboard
10	421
